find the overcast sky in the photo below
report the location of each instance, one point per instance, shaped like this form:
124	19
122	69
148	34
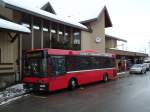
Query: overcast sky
130	18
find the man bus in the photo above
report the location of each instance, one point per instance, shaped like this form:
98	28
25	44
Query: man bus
55	69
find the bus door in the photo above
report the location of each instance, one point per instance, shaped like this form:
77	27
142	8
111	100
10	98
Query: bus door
58	72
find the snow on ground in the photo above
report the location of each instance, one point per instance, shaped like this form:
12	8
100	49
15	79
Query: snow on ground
12	93
10	100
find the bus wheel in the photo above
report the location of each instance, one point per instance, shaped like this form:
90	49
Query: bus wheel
105	78
72	84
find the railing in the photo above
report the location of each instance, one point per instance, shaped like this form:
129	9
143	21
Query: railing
6	68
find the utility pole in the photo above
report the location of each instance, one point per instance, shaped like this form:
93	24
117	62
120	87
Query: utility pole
149	48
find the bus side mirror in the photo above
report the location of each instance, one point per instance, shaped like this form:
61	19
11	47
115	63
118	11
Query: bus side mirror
64	73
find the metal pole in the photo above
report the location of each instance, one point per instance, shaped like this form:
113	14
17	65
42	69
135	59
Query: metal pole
32	32
42	34
50	35
80	39
71	38
149	48
57	32
64	31
20	57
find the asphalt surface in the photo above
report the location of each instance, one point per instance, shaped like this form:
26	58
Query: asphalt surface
128	94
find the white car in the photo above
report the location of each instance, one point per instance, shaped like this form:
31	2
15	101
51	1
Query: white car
138	68
147	66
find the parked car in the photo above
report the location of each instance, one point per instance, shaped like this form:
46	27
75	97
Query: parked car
147	66
138	68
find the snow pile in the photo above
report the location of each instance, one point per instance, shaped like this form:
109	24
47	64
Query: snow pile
11	93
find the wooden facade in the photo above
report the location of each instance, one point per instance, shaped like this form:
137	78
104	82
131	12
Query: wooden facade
45	33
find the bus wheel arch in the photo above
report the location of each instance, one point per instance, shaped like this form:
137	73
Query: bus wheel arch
72	83
105	77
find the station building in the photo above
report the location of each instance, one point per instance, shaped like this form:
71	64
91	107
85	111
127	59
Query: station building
124	58
25	27
41	28
97	39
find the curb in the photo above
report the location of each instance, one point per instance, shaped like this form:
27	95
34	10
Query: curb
8	100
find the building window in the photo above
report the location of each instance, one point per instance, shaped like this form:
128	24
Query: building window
76	41
76	38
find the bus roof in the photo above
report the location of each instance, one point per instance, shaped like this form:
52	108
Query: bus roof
73	52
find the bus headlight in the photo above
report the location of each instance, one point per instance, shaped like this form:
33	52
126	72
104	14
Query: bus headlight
42	86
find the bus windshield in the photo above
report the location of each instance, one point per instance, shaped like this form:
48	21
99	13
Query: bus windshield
36	67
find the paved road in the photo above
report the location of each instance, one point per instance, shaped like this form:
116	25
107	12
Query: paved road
129	94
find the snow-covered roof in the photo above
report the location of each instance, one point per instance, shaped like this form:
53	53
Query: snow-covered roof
97	15
78	14
24	7
4	24
41	4
93	14
46	4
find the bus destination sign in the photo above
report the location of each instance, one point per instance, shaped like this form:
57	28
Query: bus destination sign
35	55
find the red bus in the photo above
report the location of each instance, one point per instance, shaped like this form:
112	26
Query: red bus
54	69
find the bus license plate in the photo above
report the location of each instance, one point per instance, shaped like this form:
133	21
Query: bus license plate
42	86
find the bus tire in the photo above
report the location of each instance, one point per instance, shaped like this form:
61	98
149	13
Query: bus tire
72	84
105	78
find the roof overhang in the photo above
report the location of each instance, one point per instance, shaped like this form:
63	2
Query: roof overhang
126	53
89	20
108	22
42	14
11	26
115	38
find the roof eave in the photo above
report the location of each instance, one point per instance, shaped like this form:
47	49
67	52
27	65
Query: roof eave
127	53
42	16
107	18
89	20
116	38
10	30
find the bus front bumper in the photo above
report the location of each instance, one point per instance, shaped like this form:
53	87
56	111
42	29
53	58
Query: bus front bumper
36	87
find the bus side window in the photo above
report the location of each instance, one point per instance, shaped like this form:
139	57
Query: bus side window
101	62
58	65
94	63
71	63
106	62
83	63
